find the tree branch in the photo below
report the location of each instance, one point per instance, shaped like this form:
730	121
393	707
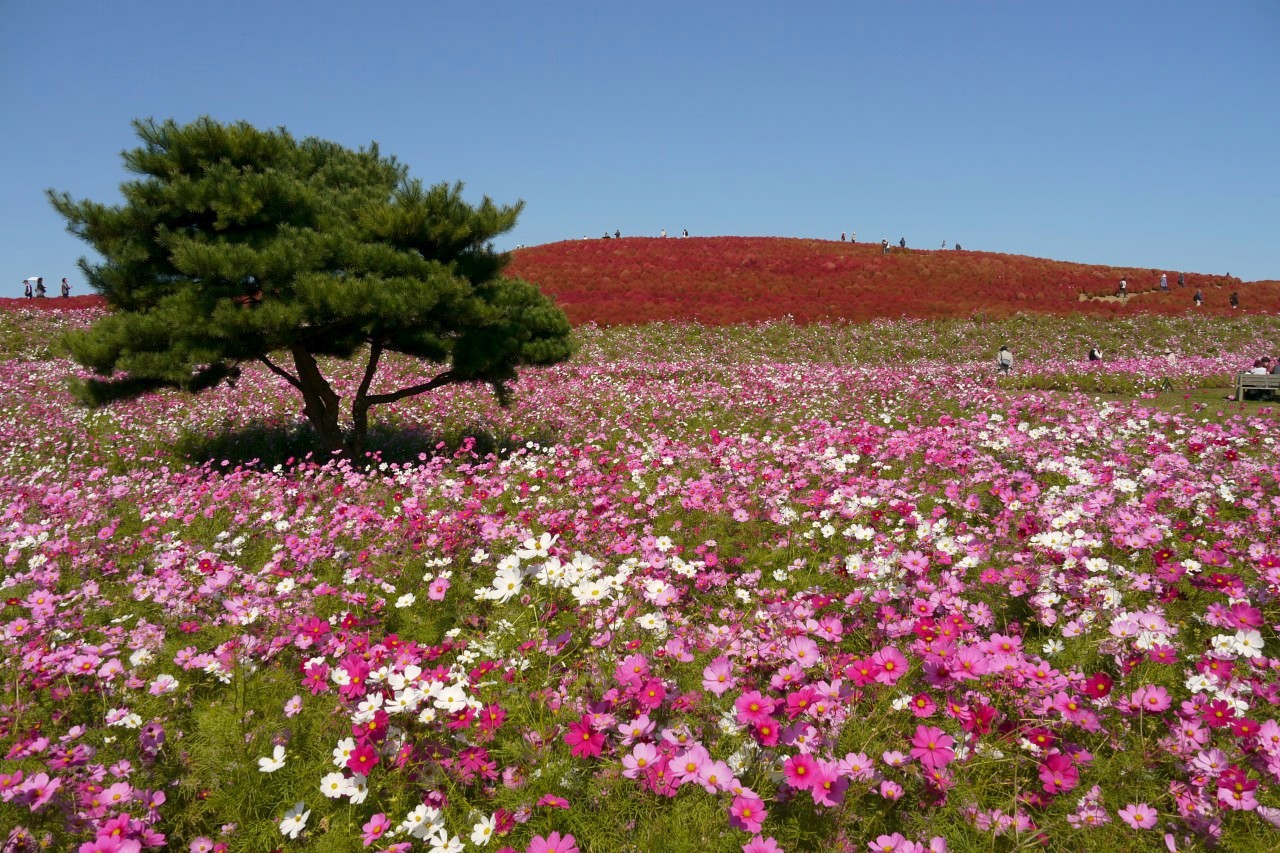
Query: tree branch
281	372
375	353
445	378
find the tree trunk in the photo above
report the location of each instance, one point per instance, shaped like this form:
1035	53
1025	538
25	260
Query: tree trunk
360	405
320	404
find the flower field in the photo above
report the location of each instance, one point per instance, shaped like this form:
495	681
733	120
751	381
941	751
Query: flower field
737	588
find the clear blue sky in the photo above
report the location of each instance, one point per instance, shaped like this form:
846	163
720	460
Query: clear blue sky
1125	133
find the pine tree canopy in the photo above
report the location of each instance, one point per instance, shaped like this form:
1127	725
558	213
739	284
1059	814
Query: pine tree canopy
236	244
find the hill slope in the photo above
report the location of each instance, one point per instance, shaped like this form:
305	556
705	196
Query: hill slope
735	279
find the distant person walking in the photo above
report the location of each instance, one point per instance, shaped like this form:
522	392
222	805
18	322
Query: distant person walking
1164	282
664	233
884	247
1198	298
66	289
1235	299
40	292
686	233
841	236
1182	279
26	288
944	244
902	243
617	235
853	236
1124	288
1004	360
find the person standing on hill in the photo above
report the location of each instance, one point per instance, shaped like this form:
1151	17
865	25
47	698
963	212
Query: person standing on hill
841	236
66	289
664	233
853	236
1198	298
1004	360
26	288
884	247
1164	282
1235	299
617	234
40	293
1182	279
1124	288
902	243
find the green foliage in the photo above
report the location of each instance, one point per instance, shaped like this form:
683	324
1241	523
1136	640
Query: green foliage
235	244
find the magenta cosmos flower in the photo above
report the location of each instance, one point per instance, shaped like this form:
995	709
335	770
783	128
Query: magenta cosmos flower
1058	774
931	746
584	741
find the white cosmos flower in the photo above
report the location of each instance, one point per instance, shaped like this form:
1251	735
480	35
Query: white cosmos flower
274	763
333	785
1248	644
406	600
295	820
442	842
356	789
507	584
482	832
342	752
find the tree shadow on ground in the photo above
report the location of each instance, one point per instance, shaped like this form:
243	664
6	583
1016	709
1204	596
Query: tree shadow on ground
263	445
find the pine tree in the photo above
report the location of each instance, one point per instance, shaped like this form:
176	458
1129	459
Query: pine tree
236	245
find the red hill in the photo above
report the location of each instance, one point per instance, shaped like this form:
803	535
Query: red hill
742	279
722	280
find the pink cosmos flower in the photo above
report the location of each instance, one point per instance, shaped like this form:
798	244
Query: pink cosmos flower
718	676
747	812
553	843
931	746
584	741
375	828
363	759
640	759
754	708
111	844
38	790
438	589
552	801
1138	815
829	785
892	664
715	777
801	771
890	790
689	765
804	651
1058	774
858	766
762	845
640	727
